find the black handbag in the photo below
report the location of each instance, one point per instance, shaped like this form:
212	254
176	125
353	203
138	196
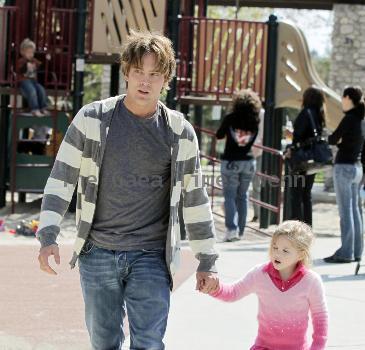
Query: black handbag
312	155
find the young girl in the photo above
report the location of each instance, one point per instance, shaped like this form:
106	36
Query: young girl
287	291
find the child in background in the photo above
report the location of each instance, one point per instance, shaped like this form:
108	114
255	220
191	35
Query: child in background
287	291
26	69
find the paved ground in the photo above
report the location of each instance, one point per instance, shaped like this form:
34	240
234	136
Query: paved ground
200	322
44	312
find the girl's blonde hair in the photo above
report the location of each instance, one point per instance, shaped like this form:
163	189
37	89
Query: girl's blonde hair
142	43
299	234
27	43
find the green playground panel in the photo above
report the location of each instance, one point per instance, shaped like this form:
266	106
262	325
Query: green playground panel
29	121
23	158
31	178
34	176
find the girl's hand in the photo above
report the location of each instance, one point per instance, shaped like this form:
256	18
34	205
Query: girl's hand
215	290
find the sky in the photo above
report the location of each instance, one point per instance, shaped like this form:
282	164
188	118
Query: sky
317	27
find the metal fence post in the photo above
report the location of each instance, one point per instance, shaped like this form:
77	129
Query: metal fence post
78	92
4	160
269	111
173	11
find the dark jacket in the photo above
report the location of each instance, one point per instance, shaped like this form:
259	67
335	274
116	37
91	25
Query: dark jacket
22	70
349	137
233	151
302	128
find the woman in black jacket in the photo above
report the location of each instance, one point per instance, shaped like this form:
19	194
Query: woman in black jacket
238	163
301	184
347	175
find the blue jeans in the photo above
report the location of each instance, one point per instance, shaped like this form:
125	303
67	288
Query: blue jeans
34	94
114	281
236	178
347	178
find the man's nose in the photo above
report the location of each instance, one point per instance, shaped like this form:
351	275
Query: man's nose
146	79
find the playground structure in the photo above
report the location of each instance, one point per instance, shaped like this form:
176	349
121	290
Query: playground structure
215	57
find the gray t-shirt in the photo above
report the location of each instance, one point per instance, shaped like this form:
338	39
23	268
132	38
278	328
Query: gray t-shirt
132	208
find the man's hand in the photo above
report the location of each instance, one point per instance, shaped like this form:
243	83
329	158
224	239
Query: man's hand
44	253
207	282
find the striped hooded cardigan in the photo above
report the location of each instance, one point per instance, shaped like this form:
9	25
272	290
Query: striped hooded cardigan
79	160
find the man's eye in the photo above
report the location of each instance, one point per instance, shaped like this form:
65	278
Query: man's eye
286	251
275	248
156	74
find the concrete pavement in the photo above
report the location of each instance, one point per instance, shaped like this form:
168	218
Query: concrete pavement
40	312
200	322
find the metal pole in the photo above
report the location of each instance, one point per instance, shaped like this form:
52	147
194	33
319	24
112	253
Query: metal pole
78	92
4	156
287	213
277	127
4	130
269	112
198	121
114	79
173	11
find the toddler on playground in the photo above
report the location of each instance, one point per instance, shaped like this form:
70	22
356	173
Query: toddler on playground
26	69
287	291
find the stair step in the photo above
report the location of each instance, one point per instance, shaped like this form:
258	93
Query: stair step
32	140
33	165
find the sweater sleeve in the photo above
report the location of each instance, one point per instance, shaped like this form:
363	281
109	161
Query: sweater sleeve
19	69
319	313
62	181
197	212
222	131
335	137
239	289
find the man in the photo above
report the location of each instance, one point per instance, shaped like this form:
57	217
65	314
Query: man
132	158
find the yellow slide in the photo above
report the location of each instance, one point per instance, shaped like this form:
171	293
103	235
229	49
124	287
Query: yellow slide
295	72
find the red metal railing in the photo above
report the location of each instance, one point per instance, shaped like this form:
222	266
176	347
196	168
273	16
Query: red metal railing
53	33
54	36
276	179
217	57
60	46
9	42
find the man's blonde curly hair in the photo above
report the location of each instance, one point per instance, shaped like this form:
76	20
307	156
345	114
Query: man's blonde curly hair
299	234
141	43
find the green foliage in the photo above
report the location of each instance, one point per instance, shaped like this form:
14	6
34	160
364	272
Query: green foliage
322	66
92	82
245	13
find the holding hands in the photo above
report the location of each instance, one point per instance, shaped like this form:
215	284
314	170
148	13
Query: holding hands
207	282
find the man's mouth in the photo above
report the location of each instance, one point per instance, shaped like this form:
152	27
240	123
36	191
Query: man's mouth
143	92
277	261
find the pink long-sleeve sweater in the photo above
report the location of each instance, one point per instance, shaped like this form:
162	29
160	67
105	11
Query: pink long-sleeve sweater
283	316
